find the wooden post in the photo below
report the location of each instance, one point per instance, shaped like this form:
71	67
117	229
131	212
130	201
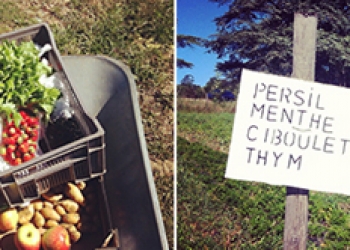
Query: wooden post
304	50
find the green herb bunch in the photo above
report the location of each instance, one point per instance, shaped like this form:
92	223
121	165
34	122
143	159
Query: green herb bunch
20	70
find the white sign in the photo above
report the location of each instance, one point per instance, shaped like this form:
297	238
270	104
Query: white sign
291	132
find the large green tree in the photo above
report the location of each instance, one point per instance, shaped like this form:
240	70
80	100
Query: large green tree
258	35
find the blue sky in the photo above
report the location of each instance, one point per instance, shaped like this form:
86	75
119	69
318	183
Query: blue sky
196	18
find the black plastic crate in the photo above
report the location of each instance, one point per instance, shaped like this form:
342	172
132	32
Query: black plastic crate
82	158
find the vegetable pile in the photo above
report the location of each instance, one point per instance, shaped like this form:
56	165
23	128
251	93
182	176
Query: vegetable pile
23	98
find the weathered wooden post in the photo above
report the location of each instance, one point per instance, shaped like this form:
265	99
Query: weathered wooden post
304	50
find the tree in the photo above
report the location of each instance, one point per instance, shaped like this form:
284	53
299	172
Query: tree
184	41
258	35
219	82
187	80
188	89
212	84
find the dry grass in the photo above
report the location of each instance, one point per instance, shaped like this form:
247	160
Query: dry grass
205	106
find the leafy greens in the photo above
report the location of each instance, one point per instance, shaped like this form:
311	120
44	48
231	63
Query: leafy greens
20	70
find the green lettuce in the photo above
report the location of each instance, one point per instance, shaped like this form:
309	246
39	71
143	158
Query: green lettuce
20	70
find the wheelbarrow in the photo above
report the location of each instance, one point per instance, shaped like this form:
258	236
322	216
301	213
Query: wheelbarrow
107	91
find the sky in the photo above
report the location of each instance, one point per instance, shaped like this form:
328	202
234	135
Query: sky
196	18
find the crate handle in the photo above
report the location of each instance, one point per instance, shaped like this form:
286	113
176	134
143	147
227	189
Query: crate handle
41	170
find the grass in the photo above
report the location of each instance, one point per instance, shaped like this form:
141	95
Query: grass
208	128
138	33
218	213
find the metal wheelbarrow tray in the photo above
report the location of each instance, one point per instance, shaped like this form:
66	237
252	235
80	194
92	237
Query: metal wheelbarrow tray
106	90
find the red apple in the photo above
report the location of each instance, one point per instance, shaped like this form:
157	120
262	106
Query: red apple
56	238
28	237
8	219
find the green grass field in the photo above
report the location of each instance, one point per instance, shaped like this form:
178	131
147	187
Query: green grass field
218	213
211	129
